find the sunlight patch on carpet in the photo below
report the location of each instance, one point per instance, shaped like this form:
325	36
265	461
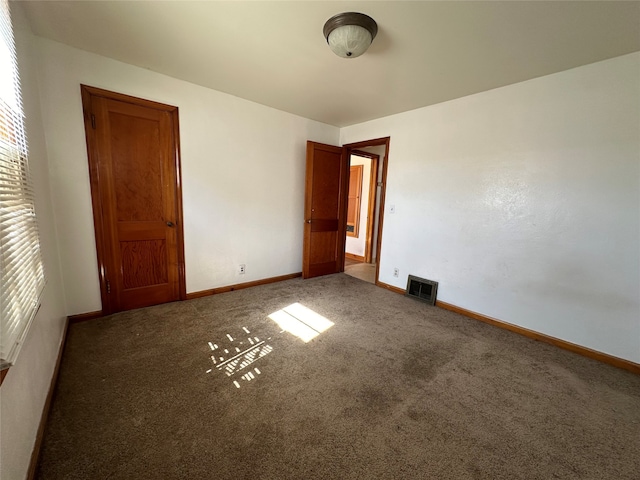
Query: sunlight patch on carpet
237	351
301	321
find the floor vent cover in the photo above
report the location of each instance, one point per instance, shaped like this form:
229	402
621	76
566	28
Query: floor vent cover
423	290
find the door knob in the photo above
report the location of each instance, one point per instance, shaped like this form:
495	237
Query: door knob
169	224
309	221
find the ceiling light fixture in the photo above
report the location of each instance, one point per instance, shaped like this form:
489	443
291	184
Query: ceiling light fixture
349	34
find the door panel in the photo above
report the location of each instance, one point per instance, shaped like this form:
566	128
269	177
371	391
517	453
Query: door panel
142	263
324	210
322	247
138	184
135	172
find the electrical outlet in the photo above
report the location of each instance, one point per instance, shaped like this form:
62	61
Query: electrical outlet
242	269
396	272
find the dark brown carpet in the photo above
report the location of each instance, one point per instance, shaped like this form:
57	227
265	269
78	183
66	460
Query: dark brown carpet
395	389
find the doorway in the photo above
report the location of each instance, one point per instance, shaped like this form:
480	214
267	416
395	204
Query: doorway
326	206
134	169
362	221
364	263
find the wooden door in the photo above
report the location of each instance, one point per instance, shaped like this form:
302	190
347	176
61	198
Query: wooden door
134	169
324	209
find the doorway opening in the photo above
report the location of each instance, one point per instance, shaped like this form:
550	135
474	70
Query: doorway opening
326	206
365	207
359	253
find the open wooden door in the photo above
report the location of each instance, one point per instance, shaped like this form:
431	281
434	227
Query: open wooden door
324	210
135	186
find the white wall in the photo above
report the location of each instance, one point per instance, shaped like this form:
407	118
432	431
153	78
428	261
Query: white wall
242	165
24	390
355	245
524	203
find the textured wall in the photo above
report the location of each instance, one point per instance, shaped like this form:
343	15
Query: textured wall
524	203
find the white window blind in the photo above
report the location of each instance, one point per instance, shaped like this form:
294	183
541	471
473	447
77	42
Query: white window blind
22	273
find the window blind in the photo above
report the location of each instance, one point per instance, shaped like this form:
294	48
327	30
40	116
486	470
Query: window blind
22	272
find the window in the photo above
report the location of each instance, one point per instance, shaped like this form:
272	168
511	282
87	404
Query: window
21	269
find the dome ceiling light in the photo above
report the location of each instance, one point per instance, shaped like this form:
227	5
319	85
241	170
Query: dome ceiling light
349	34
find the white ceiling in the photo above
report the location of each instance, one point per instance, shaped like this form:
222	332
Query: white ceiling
274	53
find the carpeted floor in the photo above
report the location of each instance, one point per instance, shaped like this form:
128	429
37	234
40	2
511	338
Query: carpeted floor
395	389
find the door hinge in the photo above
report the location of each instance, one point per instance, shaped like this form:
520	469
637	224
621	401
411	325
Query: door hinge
93	121
108	286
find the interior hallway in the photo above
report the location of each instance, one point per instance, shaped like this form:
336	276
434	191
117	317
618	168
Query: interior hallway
361	270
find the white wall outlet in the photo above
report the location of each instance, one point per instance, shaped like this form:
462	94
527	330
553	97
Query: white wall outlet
392	209
396	272
242	268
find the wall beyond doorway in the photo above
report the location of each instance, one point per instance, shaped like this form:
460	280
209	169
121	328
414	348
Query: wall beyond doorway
356	245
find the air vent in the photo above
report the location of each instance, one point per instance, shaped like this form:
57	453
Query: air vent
423	290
